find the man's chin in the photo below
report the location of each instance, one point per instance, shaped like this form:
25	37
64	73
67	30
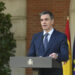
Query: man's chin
45	29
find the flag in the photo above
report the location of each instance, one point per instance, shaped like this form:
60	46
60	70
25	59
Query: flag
67	67
74	58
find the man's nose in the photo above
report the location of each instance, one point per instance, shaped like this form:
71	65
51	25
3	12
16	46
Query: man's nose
44	22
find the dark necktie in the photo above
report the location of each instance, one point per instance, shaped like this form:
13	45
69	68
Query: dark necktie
45	41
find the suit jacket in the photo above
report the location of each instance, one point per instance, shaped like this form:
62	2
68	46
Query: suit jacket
57	44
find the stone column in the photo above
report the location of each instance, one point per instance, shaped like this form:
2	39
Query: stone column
72	21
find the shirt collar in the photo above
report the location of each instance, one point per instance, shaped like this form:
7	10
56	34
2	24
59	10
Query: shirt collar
50	32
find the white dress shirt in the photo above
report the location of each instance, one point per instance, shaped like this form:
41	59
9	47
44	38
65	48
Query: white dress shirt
50	33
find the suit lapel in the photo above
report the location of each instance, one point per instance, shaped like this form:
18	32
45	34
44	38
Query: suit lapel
40	44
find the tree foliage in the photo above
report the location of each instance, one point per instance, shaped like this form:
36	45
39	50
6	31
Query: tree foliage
7	41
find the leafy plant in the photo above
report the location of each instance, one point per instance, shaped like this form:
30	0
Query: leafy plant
7	41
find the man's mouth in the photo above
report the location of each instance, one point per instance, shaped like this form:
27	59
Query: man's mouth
44	25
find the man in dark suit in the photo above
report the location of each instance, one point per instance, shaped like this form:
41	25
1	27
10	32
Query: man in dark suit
49	43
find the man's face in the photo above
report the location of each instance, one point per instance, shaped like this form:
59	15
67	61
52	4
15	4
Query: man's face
46	22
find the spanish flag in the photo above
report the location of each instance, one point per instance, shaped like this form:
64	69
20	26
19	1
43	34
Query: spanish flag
67	66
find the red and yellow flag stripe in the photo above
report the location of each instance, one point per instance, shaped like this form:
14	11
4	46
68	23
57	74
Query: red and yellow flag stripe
67	67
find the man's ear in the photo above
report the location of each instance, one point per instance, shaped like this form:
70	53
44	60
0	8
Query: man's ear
52	22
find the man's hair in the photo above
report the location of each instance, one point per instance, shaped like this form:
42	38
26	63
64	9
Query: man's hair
47	12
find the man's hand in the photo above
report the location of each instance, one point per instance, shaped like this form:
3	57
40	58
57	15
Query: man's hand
53	55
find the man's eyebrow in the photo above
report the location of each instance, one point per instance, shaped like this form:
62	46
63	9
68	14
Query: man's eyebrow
41	19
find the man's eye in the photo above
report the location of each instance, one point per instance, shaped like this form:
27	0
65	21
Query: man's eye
41	19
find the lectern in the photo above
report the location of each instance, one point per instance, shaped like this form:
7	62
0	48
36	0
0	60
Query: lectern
33	62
